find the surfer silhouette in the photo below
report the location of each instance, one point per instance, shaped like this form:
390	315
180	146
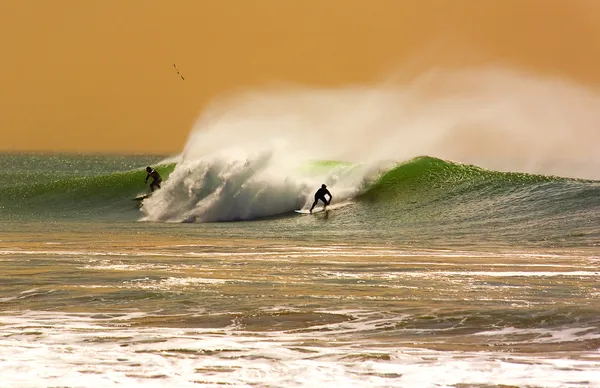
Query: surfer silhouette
156	179
320	195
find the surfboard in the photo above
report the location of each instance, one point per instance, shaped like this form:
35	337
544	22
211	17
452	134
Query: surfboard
306	211
329	207
141	197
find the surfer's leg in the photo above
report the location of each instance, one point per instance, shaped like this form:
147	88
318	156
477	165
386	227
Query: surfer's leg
314	204
155	184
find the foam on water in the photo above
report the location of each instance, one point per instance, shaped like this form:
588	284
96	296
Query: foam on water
296	315
104	351
547	336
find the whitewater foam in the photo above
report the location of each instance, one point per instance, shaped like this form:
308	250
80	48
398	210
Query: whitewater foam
106	352
239	185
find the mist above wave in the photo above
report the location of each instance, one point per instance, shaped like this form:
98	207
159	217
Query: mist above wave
242	156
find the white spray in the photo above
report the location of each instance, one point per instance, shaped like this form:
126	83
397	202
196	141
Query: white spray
244	157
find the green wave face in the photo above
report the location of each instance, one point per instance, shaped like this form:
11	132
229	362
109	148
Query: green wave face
320	167
427	176
438	198
67	194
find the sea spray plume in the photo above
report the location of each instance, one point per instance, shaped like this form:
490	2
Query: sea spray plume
241	160
496	118
516	122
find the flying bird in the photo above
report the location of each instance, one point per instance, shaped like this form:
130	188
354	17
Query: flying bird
177	70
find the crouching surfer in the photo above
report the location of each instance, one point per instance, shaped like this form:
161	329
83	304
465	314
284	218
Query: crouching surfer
156	179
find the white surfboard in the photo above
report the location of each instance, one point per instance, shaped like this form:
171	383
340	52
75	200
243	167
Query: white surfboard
306	211
329	207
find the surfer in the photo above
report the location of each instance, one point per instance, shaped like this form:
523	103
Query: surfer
320	195
156	179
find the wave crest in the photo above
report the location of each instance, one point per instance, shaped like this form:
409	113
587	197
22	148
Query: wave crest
235	186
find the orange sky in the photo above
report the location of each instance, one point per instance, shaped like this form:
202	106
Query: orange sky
97	75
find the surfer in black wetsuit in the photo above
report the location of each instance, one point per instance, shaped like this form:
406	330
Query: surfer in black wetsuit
320	195
156	179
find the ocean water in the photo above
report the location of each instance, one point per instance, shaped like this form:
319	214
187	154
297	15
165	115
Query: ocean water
435	265
434	274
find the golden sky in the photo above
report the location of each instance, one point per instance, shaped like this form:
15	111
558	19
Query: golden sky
97	75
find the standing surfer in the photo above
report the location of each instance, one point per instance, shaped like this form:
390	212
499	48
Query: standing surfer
320	195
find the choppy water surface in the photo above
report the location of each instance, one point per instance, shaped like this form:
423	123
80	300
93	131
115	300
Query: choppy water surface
135	307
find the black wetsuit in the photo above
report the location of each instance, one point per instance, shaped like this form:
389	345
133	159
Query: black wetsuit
156	179
320	194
